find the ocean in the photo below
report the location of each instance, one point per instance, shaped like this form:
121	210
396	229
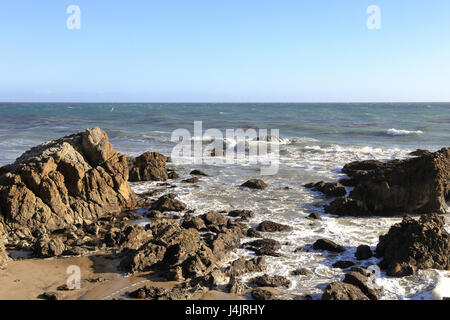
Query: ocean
316	140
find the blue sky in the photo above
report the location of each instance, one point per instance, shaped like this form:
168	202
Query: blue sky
225	51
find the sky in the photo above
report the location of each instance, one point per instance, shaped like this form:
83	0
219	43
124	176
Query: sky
224	51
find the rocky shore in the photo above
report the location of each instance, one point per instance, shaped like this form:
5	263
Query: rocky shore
71	198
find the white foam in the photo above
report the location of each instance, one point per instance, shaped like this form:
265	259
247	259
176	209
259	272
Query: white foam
397	132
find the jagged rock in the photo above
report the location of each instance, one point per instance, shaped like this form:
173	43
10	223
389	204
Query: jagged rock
247	214
262	294
252	233
363	283
347	207
64	182
271	281
241	266
414	185
264	247
363	252
149	292
328	245
149	166
46	247
226	241
255	184
214	218
343	264
237	287
343	291
194	222
328	188
198	173
168	203
415	244
270	226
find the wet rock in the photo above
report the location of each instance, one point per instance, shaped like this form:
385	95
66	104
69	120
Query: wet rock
365	284
271	281
343	291
267	247
314	216
46	247
150	166
241	266
191	180
247	214
173	175
252	233
415	185
64	182
343	264
50	295
270	226
347	207
301	272
328	245
419	153
363	252
262	294
198	173
154	214
168	203
255	184
328	188
415	244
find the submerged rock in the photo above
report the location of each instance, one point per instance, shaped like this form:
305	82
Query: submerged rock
64	182
255	184
415	244
150	166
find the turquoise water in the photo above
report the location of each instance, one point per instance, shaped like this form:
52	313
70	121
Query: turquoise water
133	127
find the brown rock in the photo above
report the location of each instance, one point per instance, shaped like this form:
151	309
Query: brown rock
271	281
328	245
270	226
363	252
241	266
343	291
328	188
150	166
255	184
168	203
262	294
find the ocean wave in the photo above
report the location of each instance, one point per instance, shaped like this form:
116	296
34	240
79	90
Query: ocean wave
397	132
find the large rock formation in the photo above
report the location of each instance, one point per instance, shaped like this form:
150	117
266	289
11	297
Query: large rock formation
415	244
64	182
150	166
416	185
4	258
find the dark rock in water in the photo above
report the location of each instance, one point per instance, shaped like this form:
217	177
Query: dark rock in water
198	173
348	182
264	247
415	244
168	203
173	175
343	291
64	182
347	207
301	272
363	252
241	213
343	264
262	294
255	184
415	185
314	216
270	226
241	266
46	247
365	284
191	180
150	166
328	188
271	281
252	233
328	245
